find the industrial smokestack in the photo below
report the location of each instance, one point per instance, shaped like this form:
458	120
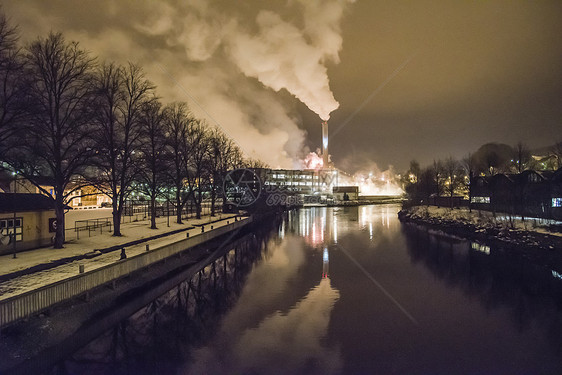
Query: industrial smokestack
325	144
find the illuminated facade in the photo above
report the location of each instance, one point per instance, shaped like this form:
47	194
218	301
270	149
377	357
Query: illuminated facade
307	181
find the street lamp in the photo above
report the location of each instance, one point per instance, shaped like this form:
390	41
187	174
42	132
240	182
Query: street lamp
14	237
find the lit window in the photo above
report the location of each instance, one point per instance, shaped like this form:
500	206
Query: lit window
556	202
480	200
7	229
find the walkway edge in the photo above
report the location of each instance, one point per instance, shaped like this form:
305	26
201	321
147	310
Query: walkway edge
33	302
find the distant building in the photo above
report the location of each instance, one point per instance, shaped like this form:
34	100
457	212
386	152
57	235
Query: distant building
306	182
81	195
29	219
341	192
529	193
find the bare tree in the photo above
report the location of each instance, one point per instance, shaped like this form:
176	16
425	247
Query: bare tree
522	157
470	165
438	180
451	174
254	163
121	93
177	121
12	92
224	154
198	139
152	162
56	142
556	151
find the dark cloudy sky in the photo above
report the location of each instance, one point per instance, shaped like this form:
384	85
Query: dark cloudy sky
442	77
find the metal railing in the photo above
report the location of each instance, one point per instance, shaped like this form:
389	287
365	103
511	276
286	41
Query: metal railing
33	302
138	213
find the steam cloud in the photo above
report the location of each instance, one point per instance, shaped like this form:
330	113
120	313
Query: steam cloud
282	56
234	58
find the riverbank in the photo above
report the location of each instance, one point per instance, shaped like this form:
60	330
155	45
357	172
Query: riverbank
484	226
42	278
182	257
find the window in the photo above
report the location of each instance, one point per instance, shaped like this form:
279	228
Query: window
556	202
480	200
7	228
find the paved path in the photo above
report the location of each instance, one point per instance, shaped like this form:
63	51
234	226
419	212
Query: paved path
131	232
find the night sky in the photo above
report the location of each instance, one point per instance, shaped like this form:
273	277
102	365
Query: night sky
414	79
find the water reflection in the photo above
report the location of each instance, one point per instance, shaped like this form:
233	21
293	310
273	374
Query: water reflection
294	302
287	339
325	225
500	278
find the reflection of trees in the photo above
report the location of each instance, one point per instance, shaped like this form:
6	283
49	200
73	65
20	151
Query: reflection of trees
500	279
160	335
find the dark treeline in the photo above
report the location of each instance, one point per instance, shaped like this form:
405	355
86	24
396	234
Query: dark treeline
451	177
68	120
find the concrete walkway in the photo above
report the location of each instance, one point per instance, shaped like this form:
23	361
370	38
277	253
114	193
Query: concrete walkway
134	231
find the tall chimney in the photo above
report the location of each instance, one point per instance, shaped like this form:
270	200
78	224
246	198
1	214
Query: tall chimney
325	144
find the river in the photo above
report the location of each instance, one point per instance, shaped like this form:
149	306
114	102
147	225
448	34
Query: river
345	291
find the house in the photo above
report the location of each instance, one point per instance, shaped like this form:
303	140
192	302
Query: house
30	218
556	195
480	192
529	193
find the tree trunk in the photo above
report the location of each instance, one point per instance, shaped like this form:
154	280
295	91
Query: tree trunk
116	218
179	206
153	212
59	212
213	199
198	205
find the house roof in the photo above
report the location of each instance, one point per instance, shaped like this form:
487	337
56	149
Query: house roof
10	202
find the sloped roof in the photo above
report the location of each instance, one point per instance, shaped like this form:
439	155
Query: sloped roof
10	202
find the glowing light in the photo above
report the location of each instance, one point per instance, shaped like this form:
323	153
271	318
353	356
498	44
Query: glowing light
372	183
482	248
312	161
335	229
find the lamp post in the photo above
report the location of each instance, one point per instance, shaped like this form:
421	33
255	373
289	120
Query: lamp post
14	237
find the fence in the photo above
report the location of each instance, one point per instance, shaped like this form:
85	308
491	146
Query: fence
138	212
33	302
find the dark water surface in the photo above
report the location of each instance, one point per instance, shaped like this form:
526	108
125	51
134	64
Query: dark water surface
346	291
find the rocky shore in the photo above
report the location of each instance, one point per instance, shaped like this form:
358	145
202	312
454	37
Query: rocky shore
500	230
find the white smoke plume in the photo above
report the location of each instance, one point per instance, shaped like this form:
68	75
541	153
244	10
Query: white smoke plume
282	56
281	53
238	60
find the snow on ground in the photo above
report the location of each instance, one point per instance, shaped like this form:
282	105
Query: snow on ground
74	215
131	231
485	218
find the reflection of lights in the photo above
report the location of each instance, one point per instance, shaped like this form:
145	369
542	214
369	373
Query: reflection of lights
556	275
370	231
335	229
325	263
482	248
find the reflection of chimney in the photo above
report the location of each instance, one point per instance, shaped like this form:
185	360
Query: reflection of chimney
325	263
325	144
